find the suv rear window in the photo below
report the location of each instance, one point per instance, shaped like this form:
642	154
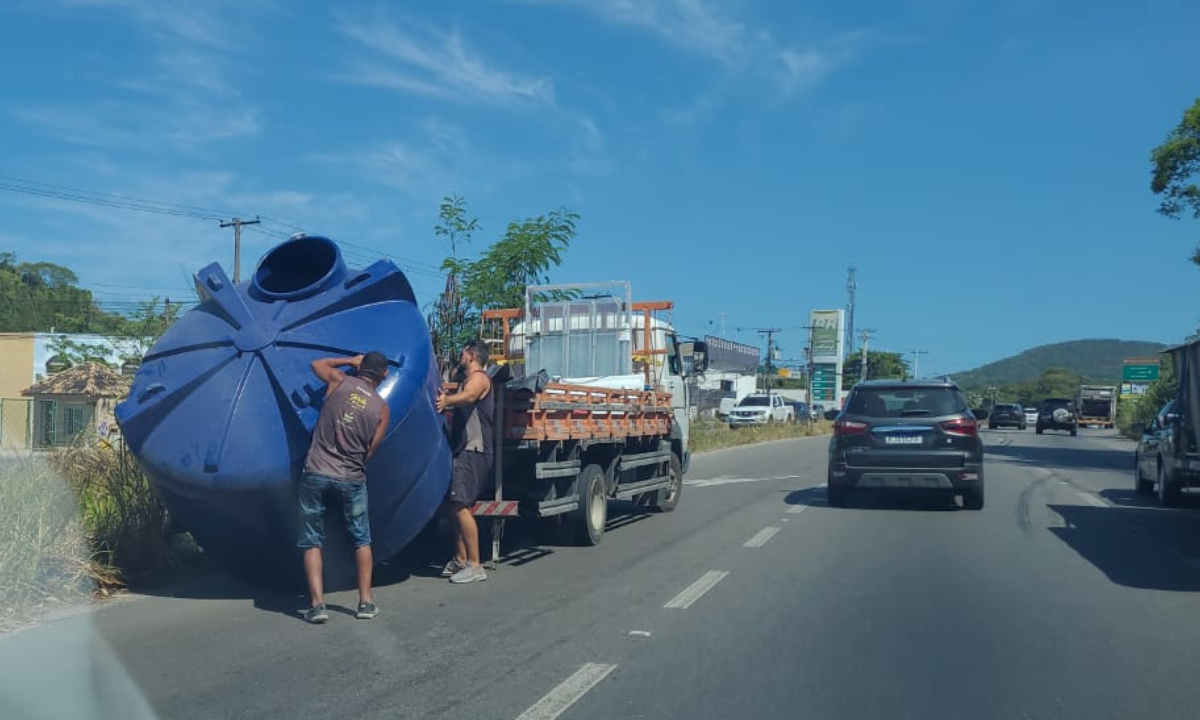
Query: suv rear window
1007	408
896	402
1055	403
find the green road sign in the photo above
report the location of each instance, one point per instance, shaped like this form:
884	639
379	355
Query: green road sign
1139	373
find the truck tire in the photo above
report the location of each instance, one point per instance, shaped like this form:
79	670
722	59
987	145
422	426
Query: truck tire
666	499
1168	488
589	518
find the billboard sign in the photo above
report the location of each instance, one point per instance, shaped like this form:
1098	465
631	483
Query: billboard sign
825	383
1139	372
827	335
729	356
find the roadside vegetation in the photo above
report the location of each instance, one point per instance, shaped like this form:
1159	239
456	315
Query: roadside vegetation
78	523
710	434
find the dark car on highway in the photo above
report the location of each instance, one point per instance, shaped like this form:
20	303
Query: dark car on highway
906	435
1057	414
1006	415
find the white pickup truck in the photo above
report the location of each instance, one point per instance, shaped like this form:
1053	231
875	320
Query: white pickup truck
760	409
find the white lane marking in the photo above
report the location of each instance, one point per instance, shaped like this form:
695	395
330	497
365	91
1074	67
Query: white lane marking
1093	500
762	537
696	590
796	509
570	690
731	480
639	633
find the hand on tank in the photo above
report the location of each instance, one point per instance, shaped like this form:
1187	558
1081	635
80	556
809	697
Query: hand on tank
441	400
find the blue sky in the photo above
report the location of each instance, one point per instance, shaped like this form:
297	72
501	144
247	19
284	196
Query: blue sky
985	165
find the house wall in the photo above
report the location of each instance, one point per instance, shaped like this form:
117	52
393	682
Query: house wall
16	374
16	363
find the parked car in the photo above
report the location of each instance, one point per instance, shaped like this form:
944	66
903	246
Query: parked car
1057	414
1162	455
818	410
1030	416
906	435
760	409
800	411
725	406
1006	415
831	414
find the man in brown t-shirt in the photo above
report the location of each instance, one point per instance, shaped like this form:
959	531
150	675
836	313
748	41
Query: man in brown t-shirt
350	427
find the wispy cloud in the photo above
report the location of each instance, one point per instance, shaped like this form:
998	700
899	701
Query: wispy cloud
169	105
712	29
426	60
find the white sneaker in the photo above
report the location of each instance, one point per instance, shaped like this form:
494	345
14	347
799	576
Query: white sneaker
469	574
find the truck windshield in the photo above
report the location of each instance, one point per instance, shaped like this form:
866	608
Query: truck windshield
754	400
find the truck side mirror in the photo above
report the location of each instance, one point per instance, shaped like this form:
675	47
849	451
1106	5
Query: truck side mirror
699	355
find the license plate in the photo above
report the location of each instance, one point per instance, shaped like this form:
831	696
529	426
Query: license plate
903	440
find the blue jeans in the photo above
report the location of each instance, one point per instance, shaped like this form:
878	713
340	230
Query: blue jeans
314	491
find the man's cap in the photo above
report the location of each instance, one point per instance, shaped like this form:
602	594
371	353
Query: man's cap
373	363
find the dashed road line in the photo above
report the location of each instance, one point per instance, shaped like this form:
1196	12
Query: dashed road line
696	590
796	509
568	692
762	537
733	480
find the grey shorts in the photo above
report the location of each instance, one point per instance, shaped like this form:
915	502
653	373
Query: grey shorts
468	475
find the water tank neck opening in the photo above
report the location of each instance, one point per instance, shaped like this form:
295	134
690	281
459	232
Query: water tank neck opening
299	267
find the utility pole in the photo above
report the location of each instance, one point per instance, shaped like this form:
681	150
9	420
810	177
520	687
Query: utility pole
917	353
770	333
865	336
237	224
851	288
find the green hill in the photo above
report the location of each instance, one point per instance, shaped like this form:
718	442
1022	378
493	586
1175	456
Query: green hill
1095	360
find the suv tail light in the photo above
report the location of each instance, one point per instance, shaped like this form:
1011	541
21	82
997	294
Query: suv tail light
849	427
966	427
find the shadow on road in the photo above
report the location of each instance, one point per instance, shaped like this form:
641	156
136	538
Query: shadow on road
1065	455
1138	548
879	499
524	542
1127	498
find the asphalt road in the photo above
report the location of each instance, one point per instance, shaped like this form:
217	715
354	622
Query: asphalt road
1066	597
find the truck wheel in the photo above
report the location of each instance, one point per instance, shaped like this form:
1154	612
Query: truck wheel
589	518
1168	489
666	499
1074	432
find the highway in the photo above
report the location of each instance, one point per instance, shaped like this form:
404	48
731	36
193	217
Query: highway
1066	597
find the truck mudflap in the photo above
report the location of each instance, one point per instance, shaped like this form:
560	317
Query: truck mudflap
496	508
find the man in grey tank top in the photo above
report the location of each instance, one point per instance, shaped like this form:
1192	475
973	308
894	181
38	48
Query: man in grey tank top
351	425
471	439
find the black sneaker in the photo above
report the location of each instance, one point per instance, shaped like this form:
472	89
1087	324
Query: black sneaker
366	611
317	615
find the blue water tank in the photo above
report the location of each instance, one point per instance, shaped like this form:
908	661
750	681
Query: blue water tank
221	413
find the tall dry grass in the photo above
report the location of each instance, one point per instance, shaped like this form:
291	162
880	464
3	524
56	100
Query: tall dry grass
75	522
706	434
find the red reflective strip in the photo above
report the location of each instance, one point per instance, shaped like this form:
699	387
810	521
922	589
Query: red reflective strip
506	508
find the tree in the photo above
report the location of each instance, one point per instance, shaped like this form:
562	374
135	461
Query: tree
1176	168
522	257
451	321
881	365
498	277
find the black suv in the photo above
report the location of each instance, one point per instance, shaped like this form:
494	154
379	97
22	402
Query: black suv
1057	414
1003	415
916	435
